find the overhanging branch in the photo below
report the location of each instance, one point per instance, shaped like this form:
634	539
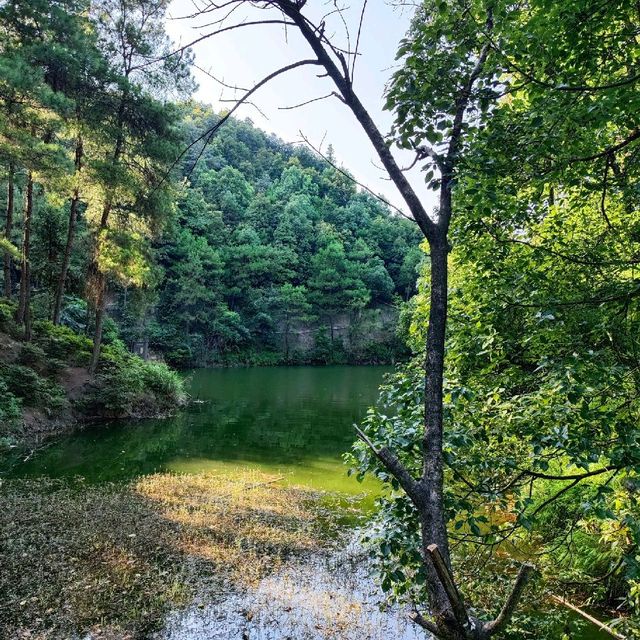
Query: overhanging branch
393	465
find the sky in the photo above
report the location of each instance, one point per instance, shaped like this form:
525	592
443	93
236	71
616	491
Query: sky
244	56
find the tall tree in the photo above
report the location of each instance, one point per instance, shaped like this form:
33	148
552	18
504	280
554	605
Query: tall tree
459	59
133	38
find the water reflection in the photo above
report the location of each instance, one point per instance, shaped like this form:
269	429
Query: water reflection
296	421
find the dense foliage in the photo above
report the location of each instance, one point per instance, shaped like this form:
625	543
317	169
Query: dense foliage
270	241
241	250
541	387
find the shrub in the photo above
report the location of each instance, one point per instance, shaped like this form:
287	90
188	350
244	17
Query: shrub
7	314
62	343
34	390
32	355
126	385
10	409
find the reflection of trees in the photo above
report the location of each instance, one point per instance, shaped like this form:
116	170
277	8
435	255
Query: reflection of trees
259	415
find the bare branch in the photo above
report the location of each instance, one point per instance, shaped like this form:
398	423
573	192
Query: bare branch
590	618
220	82
333	94
248	103
448	584
524	575
206	36
355	53
342	82
419	619
209	133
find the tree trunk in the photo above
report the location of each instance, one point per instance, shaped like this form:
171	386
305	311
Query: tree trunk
286	339
430	502
7	231
100	278
100	303
23	315
71	233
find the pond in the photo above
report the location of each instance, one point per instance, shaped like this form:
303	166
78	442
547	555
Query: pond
295	422
292	421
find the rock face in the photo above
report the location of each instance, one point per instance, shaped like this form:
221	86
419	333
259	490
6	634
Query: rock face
357	333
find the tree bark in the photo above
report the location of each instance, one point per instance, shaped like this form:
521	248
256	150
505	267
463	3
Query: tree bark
8	227
99	285
431	495
23	315
100	282
71	233
100	303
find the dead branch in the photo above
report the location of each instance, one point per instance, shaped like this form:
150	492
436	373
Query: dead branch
449	586
524	575
581	612
306	102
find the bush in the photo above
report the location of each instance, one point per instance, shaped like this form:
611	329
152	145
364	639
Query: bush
10	409
62	343
126	385
31	355
34	390
7	318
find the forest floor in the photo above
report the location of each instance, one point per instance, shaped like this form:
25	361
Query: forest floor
120	561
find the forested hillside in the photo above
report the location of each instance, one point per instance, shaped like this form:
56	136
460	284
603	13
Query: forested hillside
241	250
270	238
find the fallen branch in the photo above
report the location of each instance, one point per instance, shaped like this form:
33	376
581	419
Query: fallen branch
581	612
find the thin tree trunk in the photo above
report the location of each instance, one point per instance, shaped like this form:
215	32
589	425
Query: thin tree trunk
100	278
99	285
23	315
99	319
71	233
7	231
432	511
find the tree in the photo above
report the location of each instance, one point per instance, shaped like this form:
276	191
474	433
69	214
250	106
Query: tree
336	283
539	247
455	96
33	108
132	35
457	65
291	304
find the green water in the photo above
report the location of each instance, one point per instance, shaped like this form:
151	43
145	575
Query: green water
292	421
295	422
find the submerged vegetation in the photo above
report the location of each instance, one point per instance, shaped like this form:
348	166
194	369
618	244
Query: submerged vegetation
113	560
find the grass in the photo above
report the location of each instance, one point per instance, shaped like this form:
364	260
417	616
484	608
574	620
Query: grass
113	559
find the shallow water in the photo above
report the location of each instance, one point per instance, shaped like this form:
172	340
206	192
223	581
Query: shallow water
295	422
327	596
292	421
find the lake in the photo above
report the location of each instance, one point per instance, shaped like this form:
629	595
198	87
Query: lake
292	421
296	422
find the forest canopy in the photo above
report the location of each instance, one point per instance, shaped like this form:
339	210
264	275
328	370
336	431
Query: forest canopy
117	224
510	441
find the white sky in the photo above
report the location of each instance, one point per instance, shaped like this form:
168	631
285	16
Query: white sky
244	56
